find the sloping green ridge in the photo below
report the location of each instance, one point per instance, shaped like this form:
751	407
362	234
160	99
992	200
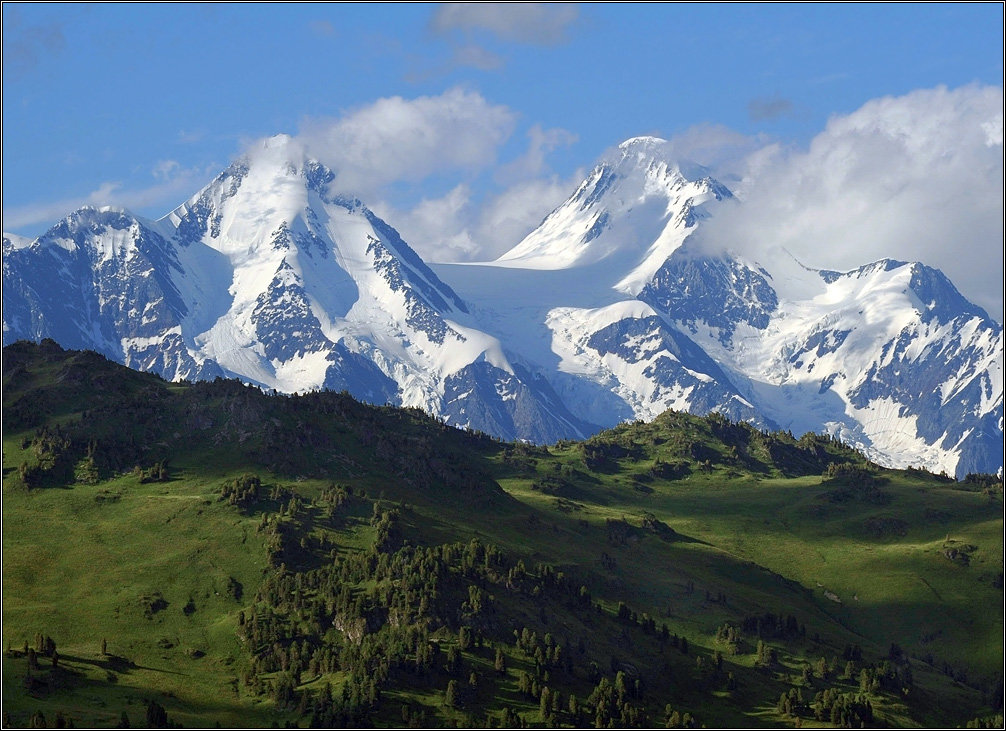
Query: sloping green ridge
252	560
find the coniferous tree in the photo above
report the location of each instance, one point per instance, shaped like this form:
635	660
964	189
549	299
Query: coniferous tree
451	696
157	716
499	665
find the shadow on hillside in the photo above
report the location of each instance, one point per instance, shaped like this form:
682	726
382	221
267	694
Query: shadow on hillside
114	663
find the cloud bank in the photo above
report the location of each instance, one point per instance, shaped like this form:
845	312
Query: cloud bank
396	139
379	147
917	177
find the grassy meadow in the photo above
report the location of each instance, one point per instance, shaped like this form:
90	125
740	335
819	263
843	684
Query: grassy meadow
225	557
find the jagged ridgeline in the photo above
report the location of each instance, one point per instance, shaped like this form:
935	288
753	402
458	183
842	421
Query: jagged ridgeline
204	553
617	307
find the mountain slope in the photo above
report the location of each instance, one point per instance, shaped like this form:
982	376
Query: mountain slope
617	307
266	276
889	357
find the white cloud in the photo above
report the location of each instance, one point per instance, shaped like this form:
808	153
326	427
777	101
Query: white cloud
538	23
175	185
532	163
508	217
460	227
456	136
439	228
396	139
917	177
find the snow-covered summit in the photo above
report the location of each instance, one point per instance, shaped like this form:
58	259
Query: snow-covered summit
633	210
14	241
642	141
268	276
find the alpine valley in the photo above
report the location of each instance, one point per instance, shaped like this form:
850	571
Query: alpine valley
612	310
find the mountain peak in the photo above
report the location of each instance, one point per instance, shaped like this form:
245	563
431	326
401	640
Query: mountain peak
90	222
640	152
279	147
276	141
654	155
277	157
15	241
643	141
635	207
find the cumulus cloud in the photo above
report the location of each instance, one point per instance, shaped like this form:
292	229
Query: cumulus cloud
536	23
383	148
396	139
439	229
508	217
917	177
532	163
462	227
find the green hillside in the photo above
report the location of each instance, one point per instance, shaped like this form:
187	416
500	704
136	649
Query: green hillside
203	554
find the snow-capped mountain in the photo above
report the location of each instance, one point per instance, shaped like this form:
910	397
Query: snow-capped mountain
888	357
625	298
628	216
614	308
265	276
609	354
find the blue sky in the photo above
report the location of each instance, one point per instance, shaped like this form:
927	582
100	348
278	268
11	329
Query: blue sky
141	105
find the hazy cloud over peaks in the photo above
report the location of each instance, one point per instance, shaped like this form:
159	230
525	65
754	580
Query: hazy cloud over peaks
717	147
917	177
396	139
532	162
